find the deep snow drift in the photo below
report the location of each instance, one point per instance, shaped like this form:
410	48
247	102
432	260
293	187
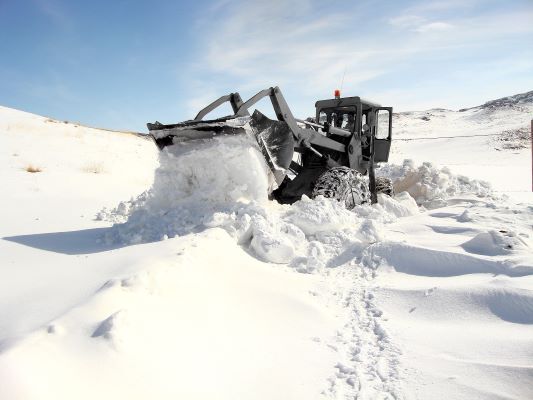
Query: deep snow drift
203	288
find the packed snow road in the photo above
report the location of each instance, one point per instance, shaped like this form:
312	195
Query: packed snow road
203	288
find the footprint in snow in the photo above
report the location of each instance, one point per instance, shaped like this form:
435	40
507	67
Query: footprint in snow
112	328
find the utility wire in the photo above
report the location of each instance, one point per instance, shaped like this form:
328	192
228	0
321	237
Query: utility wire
446	137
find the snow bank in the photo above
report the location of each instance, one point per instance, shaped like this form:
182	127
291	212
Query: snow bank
495	243
224	183
431	186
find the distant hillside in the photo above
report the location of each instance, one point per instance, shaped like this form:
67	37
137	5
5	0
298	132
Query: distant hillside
522	100
505	122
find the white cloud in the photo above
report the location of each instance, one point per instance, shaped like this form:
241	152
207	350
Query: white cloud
306	46
417	23
444	5
304	50
434	27
407	21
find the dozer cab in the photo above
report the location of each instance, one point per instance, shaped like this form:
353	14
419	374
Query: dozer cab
333	154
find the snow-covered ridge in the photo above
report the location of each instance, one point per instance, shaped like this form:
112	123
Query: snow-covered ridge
33	139
17	120
91	160
522	101
516	110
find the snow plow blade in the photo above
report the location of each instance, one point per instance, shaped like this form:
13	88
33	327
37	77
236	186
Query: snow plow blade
167	135
274	138
276	142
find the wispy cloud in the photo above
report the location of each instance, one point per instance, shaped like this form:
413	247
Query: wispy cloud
307	46
434	27
297	46
407	21
439	6
417	23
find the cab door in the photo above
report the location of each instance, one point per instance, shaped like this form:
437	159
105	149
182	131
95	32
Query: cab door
382	133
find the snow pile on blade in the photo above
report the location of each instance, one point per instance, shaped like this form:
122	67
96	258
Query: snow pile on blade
431	186
219	170
194	180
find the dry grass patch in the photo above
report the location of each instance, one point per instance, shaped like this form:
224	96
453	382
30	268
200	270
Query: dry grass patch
33	169
93	168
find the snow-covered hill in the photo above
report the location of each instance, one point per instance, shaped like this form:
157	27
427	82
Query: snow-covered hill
490	142
205	289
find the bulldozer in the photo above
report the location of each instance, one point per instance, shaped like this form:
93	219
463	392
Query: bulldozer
333	154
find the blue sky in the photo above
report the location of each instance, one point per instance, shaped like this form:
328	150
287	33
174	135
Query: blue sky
119	64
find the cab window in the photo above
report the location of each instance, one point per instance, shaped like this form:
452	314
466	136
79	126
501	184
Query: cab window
382	124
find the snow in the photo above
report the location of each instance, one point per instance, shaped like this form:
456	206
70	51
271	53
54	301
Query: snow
198	286
180	328
489	142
